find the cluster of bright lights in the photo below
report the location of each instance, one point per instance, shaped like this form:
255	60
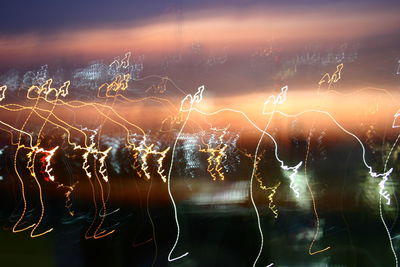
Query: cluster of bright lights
146	152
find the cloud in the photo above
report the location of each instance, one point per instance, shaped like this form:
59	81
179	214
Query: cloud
214	29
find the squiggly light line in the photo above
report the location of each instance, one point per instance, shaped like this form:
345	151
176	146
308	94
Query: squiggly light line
196	98
214	161
3	90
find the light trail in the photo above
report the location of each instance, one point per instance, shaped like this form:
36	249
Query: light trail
196	98
149	156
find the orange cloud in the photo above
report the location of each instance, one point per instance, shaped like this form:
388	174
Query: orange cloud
213	29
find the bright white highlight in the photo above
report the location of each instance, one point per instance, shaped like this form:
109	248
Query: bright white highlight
196	98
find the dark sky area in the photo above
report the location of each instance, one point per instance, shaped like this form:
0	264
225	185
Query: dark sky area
53	15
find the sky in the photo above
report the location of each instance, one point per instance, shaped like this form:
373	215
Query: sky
33	33
49	15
